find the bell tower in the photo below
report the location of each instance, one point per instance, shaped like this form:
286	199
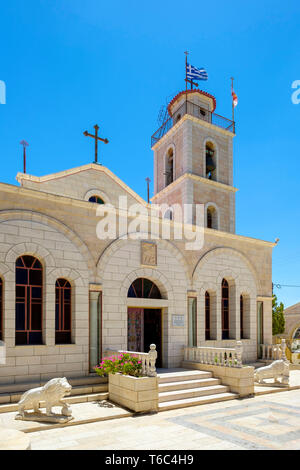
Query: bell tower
193	159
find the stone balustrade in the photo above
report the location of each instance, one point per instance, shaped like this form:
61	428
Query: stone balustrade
227	357
148	360
271	352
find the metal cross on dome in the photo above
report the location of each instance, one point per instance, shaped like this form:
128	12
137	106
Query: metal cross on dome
96	127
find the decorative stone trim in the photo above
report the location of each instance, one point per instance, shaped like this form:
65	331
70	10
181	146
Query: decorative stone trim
58	225
91	166
97	192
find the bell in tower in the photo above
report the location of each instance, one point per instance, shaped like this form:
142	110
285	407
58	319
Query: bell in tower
210	161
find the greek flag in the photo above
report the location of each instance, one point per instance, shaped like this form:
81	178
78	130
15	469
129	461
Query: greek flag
192	73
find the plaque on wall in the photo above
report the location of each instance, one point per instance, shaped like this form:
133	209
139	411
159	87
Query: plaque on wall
149	254
178	320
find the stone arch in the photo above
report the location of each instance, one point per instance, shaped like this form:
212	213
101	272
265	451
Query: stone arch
58	225
116	244
293	329
226	251
217	222
32	249
97	192
4	269
153	275
69	274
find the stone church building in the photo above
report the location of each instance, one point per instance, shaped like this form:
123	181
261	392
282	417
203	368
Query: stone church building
66	295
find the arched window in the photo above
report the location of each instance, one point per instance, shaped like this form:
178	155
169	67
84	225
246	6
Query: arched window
210	158
29	300
1	309
207	316
96	200
242	316
212	217
169	173
63	318
225	309
144	289
168	214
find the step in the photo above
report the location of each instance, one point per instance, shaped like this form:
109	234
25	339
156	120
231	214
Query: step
184	375
10	407
174	404
92	380
191	393
14	397
183	384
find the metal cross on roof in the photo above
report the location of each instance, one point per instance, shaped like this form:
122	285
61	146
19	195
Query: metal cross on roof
96	127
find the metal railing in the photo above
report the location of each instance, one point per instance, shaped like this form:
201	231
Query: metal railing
148	360
226	357
193	110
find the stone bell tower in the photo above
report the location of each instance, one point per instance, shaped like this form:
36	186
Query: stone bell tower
193	160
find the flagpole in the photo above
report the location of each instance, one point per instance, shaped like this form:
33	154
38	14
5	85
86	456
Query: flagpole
232	104
186	54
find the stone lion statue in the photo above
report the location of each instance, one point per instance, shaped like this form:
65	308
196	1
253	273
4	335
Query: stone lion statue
278	369
51	393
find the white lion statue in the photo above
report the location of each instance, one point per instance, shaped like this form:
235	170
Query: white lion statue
51	393
278	369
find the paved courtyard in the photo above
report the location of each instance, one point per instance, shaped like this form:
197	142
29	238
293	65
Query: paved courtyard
264	422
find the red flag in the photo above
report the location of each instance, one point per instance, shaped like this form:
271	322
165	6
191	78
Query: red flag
234	98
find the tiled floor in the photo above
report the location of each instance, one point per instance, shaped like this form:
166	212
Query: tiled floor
264	422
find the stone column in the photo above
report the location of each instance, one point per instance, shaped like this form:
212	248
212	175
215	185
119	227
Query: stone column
95	329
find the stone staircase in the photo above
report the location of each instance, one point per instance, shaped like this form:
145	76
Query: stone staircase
84	389
182	388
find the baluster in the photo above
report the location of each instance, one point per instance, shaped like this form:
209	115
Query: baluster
144	367
201	353
152	360
239	353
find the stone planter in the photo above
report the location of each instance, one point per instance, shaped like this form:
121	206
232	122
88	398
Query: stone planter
139	394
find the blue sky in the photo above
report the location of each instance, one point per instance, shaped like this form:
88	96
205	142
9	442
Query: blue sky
70	64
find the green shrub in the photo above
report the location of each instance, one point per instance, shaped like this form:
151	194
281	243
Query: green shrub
124	363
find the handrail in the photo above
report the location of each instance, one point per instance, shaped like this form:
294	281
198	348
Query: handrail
193	110
227	357
148	360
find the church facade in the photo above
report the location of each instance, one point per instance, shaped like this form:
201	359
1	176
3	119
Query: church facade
67	295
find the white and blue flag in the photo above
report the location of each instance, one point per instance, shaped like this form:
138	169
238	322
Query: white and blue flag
193	73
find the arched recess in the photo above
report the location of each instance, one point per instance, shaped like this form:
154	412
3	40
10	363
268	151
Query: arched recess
167	293
215	215
170	165
59	226
210	140
241	277
79	286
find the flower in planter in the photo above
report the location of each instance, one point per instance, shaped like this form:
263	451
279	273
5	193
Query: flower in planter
124	363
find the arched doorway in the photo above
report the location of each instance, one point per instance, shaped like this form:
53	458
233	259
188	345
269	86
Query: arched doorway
145	323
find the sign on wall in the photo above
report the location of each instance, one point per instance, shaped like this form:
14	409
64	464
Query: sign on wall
177	320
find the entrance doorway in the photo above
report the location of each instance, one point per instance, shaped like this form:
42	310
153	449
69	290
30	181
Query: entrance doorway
145	328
